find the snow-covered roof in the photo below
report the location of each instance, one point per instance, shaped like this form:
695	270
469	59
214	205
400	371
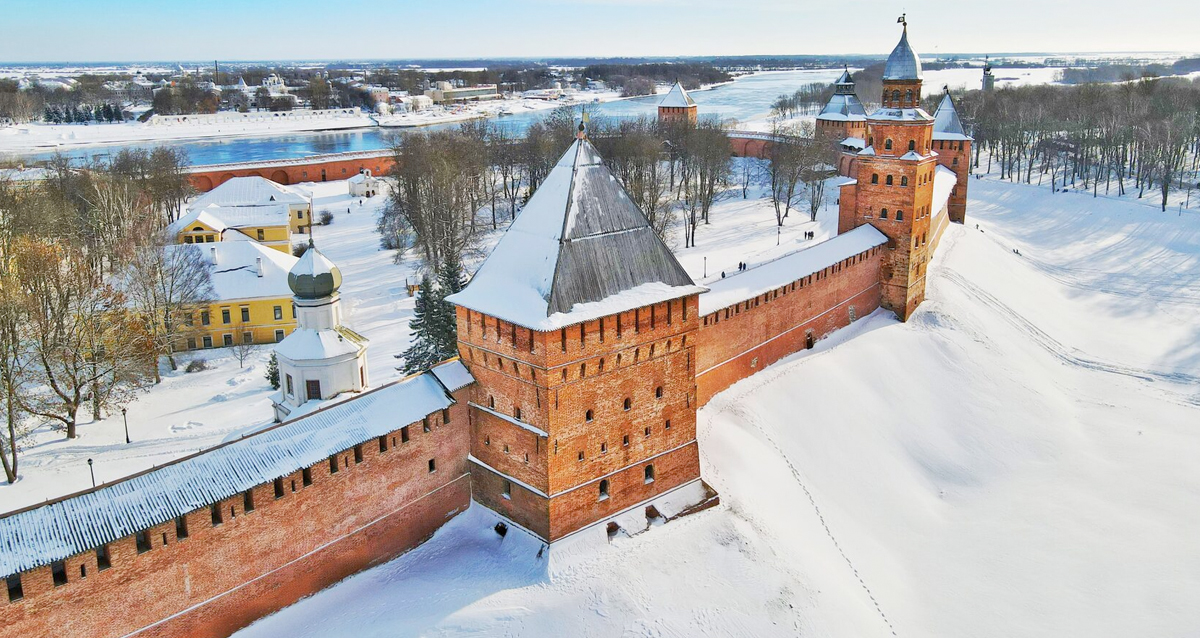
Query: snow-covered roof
844	104
220	218
53	531
897	115
249	191
677	97
854	142
842	108
307	344
579	250
235	273
946	125
774	274
903	63
453	374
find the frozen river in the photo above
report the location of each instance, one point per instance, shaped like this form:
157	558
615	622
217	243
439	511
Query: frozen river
746	98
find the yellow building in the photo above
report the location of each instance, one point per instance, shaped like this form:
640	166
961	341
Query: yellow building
268	225
252	304
252	192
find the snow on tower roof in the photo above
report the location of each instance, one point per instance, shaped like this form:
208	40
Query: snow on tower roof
579	250
843	107
903	63
784	270
310	344
946	125
677	97
844	104
249	191
41	534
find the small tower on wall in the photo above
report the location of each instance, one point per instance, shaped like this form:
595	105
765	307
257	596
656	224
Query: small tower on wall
895	180
321	358
677	106
953	147
844	115
579	331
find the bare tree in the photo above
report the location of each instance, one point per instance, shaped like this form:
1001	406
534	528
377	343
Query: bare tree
165	284
243	348
784	167
14	357
705	167
84	343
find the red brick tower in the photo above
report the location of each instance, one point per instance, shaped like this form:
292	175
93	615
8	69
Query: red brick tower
895	177
677	105
953	147
580	332
844	115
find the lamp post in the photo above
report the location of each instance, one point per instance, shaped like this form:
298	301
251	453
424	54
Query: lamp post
92	472
126	420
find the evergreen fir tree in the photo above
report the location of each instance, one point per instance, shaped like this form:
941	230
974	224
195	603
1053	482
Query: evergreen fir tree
423	353
49	114
272	374
451	279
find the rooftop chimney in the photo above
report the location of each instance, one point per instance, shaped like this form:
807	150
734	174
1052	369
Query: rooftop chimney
259	266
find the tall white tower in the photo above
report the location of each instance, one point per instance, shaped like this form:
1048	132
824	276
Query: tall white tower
321	358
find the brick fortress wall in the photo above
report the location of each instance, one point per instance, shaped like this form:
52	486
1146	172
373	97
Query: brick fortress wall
225	576
735	342
312	169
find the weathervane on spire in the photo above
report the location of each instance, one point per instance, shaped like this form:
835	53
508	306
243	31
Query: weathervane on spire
902	20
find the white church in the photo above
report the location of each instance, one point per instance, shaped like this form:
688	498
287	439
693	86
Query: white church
322	358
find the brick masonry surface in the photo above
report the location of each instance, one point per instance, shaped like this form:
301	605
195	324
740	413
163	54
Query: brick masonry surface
737	341
223	577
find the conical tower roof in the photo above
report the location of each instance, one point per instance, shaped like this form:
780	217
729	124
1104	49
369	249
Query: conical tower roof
581	249
903	63
946	125
844	103
677	97
844	84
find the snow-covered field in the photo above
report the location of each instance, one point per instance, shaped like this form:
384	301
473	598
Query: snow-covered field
1016	460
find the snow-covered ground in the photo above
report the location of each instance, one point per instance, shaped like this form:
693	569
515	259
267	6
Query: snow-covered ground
1016	460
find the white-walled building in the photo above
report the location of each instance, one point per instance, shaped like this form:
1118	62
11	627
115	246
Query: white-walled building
321	358
364	184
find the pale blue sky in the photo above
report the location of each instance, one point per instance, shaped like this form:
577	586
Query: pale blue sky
84	30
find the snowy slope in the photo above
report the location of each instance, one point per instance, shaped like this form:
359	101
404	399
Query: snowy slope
1017	460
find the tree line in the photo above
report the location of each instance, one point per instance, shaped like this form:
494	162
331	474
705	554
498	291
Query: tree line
1142	135
92	291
